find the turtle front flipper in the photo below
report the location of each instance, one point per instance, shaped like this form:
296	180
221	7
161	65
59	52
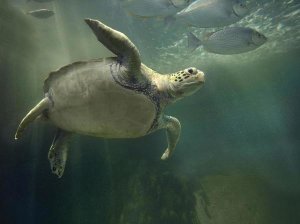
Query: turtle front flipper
119	44
58	152
173	127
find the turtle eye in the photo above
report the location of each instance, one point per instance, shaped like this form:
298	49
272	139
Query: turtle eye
190	70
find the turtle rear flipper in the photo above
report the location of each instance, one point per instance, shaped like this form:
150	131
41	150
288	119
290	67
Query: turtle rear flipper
58	152
32	115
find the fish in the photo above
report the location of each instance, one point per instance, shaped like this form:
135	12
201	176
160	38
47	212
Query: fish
41	13
154	8
231	40
212	13
41	0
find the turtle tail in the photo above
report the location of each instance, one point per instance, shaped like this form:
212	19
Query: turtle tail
31	116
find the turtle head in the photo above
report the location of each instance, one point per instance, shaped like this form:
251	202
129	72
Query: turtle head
186	82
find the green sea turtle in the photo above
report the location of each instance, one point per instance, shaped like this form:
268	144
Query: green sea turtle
116	97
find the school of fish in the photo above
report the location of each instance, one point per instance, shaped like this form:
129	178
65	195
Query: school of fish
204	14
194	13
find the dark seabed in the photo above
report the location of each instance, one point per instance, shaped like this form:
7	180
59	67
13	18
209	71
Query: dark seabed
238	158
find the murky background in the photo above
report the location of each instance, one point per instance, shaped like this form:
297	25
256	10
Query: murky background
238	158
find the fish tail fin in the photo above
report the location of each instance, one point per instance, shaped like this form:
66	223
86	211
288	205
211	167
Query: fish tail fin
23	11
20	9
169	21
31	116
193	41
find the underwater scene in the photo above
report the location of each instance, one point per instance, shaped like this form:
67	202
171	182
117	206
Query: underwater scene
150	111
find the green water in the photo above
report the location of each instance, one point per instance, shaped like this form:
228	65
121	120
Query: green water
237	161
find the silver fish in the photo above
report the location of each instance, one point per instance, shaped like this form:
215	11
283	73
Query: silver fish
231	40
41	13
154	8
41	0
212	13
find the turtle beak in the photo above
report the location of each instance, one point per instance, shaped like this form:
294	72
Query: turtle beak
200	76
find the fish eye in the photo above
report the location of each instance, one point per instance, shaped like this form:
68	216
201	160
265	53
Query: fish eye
242	5
190	70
